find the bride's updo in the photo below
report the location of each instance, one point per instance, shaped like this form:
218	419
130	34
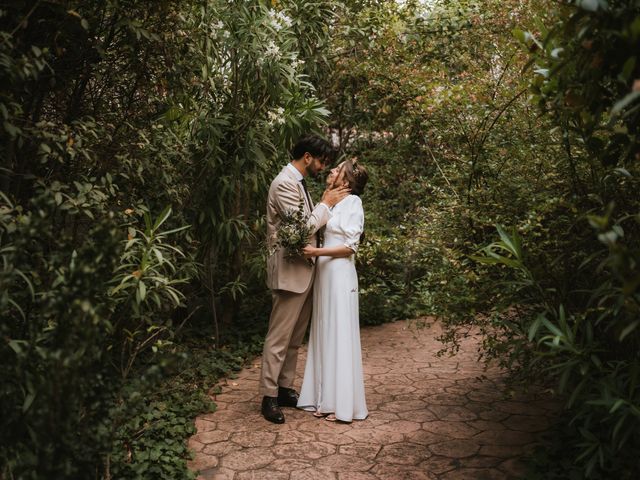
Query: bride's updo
356	175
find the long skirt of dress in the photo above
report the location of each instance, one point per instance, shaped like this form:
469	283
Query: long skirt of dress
333	380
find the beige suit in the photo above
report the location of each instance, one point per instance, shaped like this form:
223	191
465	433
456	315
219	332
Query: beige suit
290	283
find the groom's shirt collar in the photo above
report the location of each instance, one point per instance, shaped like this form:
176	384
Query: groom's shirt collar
295	171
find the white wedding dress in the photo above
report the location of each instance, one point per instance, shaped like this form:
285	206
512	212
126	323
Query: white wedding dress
333	380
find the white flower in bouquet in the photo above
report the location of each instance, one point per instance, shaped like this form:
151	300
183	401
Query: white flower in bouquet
293	233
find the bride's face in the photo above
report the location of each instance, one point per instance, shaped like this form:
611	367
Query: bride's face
336	175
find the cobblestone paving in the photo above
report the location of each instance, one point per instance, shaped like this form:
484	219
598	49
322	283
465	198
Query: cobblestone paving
430	418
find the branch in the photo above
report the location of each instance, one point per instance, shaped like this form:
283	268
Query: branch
502	110
442	172
26	17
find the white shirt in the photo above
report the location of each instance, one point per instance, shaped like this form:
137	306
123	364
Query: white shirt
296	172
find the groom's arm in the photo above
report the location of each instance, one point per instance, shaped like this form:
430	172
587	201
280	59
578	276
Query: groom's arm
288	198
319	217
322	213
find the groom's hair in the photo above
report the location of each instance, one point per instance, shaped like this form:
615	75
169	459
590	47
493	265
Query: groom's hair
316	146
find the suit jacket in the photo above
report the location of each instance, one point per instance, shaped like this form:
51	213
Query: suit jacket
285	192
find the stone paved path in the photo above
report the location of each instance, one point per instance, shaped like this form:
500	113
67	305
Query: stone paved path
430	418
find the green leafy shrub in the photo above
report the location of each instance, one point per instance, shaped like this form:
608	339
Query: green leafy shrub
71	339
122	122
583	315
440	103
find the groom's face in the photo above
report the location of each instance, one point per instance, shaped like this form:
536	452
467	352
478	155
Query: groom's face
314	165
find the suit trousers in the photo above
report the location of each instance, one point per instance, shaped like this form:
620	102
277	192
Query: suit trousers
290	315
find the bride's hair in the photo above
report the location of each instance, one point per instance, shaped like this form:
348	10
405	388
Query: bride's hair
356	175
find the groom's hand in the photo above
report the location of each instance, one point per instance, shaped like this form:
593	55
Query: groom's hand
331	196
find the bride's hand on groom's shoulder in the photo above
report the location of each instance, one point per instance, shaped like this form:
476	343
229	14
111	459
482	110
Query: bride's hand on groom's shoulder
333	195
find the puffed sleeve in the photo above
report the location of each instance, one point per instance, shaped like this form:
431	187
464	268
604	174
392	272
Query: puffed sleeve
352	222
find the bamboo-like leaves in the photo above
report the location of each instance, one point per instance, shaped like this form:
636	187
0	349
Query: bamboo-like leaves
510	245
147	267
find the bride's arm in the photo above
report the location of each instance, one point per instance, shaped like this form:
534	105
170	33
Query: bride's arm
339	251
350	224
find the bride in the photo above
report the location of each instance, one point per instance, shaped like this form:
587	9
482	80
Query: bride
333	385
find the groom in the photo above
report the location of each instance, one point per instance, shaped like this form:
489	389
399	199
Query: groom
291	281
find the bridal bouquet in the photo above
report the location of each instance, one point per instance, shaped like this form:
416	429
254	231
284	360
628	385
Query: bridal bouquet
293	233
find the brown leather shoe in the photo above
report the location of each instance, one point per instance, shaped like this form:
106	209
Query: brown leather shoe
287	397
271	411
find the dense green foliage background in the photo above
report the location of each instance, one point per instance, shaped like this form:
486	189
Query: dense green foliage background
137	141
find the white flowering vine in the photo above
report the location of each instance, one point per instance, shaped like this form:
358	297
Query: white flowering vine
276	117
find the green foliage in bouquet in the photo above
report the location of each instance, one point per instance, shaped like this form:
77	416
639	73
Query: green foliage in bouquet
294	232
